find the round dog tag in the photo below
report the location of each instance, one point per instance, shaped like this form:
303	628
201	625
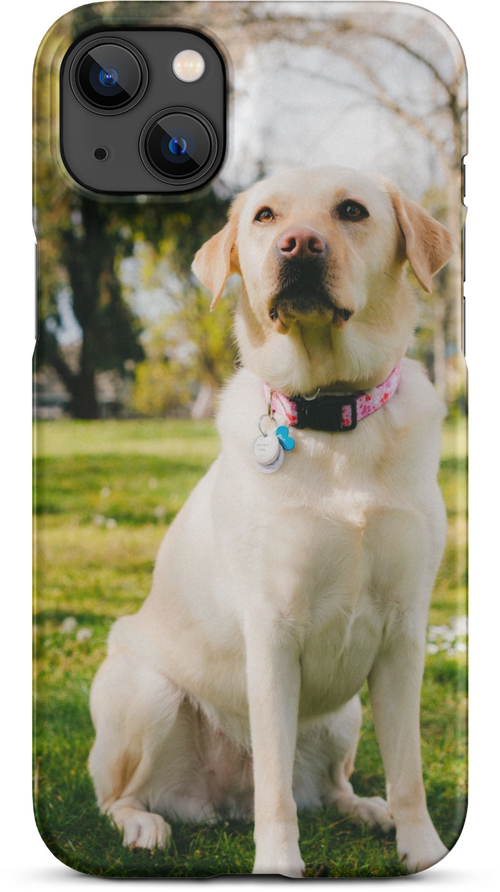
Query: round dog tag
274	465
266	449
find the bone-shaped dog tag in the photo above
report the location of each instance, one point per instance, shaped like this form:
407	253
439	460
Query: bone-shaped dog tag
284	437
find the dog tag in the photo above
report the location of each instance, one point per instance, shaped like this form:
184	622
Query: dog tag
275	465
284	437
266	449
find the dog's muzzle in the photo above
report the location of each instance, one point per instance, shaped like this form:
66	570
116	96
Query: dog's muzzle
302	254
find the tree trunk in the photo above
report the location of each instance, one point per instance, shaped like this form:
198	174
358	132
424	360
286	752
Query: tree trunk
84	403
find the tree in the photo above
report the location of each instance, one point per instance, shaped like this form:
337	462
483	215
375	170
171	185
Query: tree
89	254
189	355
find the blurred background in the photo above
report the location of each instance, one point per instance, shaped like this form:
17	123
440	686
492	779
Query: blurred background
124	328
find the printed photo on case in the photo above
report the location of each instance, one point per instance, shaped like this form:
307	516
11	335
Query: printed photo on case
251	524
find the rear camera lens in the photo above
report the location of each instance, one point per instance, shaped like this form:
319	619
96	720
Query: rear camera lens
109	76
178	144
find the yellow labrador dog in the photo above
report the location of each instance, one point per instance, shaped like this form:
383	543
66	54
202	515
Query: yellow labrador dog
291	575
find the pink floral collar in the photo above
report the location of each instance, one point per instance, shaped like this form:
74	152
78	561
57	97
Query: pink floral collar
331	412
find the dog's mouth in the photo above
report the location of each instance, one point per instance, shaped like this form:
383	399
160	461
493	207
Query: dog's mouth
280	310
302	294
286	307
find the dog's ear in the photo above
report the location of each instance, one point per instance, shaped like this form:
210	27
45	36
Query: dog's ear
217	259
428	244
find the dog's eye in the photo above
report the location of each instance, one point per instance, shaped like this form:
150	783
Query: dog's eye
352	210
265	215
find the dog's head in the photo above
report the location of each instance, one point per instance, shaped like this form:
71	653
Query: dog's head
321	255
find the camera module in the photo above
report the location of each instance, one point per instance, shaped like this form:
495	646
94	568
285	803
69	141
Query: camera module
134	118
109	76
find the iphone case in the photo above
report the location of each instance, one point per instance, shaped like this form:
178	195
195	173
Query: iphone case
292	578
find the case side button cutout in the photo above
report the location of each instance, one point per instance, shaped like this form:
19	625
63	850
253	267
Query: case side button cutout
465	255
34	294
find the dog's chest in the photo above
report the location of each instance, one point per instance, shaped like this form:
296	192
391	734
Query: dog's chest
330	544
332	599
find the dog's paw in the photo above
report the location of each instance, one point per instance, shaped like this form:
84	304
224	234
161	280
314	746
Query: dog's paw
144	830
370	810
277	852
280	866
374	812
419	847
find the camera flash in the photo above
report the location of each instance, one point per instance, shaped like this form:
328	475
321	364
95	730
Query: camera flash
188	65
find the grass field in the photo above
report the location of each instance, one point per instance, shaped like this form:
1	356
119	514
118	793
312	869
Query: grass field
105	494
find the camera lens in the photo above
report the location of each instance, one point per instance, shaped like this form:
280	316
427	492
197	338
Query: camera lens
178	144
109	76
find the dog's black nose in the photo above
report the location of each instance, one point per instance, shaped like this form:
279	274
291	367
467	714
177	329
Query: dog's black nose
300	243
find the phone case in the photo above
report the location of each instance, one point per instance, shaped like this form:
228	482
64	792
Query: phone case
253	705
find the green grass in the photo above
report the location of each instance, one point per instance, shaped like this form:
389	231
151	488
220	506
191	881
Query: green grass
105	494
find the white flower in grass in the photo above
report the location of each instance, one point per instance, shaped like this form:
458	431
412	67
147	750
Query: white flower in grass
99	520
459	625
83	634
111	523
153	483
448	639
105	492
68	625
438	631
160	511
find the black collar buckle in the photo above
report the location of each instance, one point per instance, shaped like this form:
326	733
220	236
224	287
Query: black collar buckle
324	413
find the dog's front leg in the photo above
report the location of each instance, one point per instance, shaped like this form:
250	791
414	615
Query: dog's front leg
273	679
394	685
